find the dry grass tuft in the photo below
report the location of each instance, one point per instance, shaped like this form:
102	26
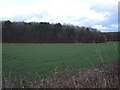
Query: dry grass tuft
102	77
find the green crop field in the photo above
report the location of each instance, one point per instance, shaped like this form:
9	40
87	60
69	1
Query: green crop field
46	59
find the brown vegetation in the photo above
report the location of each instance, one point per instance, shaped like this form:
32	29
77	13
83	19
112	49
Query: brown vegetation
95	77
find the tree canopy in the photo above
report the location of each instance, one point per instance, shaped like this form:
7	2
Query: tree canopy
44	32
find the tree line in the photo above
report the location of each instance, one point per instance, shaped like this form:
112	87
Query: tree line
44	32
112	36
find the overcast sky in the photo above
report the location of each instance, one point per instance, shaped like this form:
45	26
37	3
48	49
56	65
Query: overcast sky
100	14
